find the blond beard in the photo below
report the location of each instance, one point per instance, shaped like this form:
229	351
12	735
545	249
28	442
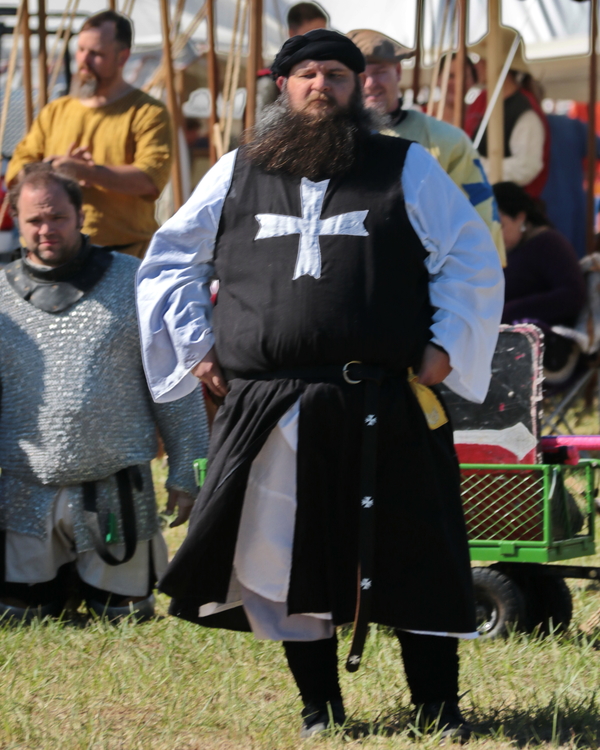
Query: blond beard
84	87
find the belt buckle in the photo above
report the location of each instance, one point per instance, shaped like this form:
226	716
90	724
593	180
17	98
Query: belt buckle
345	375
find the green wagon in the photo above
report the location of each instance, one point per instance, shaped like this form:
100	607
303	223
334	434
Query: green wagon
520	518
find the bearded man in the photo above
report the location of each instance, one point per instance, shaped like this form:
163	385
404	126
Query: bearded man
354	275
115	140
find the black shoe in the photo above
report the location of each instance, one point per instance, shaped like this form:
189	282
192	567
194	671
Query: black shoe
443	717
317	718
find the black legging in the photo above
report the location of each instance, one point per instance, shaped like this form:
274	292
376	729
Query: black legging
430	663
431	666
315	668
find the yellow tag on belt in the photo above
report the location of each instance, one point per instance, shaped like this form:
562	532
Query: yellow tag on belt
428	401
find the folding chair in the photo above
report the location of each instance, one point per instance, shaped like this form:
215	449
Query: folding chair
560	396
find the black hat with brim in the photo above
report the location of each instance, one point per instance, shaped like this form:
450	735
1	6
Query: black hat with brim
320	44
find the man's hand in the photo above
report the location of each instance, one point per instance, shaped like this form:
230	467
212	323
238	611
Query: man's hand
435	366
183	502
78	163
209	372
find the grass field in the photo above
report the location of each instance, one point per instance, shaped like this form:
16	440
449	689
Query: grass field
171	685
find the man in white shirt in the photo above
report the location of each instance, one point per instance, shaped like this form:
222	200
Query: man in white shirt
348	262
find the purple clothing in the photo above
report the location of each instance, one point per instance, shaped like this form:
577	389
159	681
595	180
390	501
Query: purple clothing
543	281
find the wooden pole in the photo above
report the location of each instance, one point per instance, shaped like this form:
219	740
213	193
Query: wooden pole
176	25
438	59
27	67
42	57
173	106
230	65
112	4
213	78
12	64
234	82
62	58
418	51
444	86
461	61
495	130
591	159
254	59
59	34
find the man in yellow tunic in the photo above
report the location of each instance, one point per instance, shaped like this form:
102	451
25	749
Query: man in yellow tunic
114	139
449	145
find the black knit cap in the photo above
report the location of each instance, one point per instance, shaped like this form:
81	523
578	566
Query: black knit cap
320	44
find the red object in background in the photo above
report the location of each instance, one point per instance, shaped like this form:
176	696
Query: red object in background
474	115
579	111
483	453
7	222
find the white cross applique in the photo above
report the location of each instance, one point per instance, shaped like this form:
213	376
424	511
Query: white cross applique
365	584
367	502
371	420
310	226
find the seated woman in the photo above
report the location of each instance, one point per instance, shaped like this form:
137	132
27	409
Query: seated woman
544	283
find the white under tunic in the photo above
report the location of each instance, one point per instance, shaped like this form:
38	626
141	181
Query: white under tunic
466	289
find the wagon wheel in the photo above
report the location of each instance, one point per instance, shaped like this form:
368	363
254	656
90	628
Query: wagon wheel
499	603
548	604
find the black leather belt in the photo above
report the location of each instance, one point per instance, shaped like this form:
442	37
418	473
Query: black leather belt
125	479
373	376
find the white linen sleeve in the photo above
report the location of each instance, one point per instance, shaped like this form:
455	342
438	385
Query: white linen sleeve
527	148
173	288
466	285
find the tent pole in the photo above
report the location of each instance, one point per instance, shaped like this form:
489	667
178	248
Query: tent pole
254	59
591	159
461	59
418	51
42	57
495	130
173	107
12	64
27	66
213	78
435	72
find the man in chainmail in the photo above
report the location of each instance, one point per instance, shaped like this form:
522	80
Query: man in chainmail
77	424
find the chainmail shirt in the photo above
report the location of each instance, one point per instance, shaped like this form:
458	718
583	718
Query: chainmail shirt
75	407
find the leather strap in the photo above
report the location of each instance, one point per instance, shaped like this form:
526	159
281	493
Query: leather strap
366	543
125	479
351	372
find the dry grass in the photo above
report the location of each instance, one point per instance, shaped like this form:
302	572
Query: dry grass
169	685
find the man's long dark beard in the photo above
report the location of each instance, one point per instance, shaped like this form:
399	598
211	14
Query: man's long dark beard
308	145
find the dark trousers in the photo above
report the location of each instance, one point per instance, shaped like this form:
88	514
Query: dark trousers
430	664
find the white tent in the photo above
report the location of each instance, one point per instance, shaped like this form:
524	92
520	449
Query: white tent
551	29
555	33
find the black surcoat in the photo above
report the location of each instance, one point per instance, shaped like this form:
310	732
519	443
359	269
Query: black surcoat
363	296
